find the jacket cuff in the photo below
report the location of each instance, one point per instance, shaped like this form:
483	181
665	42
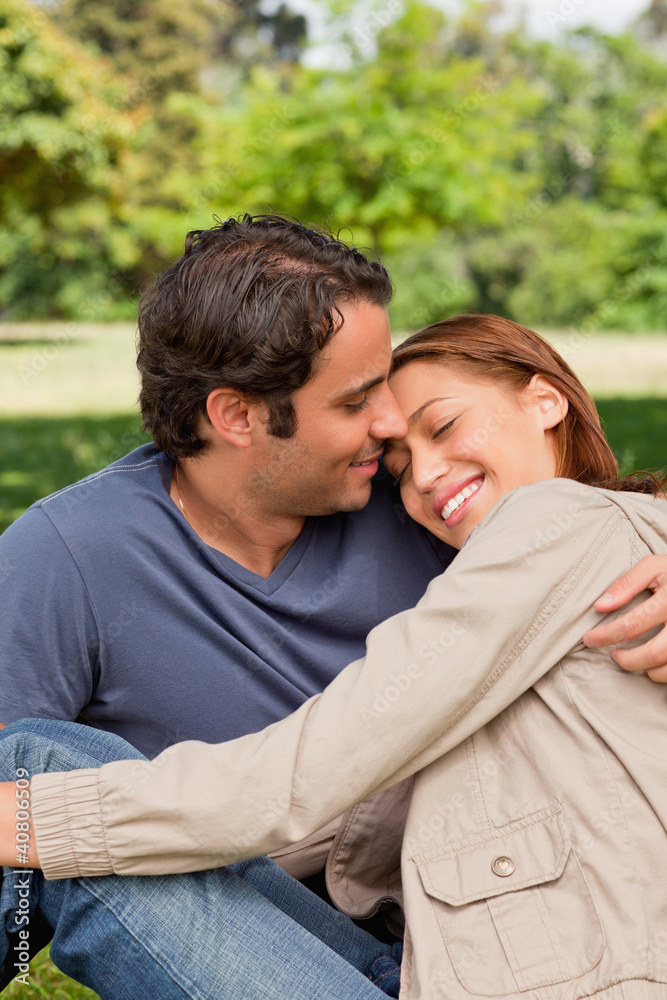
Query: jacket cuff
67	824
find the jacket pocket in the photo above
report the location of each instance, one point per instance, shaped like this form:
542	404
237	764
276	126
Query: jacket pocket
514	907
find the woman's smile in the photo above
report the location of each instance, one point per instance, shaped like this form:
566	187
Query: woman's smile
455	499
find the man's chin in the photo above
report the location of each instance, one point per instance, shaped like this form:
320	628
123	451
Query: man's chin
354	499
323	502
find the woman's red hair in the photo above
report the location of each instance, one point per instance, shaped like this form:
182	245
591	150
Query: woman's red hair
497	349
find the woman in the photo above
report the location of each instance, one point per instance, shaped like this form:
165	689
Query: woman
532	844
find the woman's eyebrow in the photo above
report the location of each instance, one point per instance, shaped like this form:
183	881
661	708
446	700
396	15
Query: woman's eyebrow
417	414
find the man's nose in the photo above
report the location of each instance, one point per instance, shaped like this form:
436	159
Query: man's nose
389	421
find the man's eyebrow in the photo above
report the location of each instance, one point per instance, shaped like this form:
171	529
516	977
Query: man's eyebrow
417	414
362	388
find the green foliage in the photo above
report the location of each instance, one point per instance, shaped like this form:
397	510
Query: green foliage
162	46
573	262
61	139
431	281
493	171
387	146
158	45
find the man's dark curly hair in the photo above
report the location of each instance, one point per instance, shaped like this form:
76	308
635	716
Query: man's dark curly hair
249	305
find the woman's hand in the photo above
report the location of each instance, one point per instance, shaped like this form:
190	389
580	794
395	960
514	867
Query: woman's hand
17	847
650	573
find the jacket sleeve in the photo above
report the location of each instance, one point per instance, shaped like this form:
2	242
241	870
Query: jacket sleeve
516	599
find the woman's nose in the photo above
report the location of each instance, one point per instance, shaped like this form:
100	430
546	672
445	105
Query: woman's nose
427	470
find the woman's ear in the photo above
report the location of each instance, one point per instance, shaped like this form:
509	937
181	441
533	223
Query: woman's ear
549	402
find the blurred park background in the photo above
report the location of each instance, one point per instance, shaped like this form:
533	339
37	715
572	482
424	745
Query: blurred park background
497	162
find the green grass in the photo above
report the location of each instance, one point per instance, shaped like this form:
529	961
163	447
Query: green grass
39	455
45	981
67	368
637	431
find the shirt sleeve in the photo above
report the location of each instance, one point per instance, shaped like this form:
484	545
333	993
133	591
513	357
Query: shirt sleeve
48	634
515	601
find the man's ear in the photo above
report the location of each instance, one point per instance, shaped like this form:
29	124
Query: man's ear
550	403
232	416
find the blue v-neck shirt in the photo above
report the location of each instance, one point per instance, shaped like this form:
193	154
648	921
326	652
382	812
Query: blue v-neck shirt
113	610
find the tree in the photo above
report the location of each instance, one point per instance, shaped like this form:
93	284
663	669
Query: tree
413	141
492	171
178	61
61	140
414	145
167	46
159	46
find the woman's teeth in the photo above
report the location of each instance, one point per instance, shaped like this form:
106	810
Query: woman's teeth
456	501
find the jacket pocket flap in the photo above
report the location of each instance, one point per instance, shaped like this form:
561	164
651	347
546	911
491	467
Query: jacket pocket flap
523	853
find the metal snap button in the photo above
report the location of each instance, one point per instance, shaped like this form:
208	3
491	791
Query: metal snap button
503	866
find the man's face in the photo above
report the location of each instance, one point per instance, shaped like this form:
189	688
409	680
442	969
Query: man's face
345	413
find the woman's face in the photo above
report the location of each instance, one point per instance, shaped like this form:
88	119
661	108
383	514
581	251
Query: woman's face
470	441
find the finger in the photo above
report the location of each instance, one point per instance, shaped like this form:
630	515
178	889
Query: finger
659	674
647	615
650	656
646	574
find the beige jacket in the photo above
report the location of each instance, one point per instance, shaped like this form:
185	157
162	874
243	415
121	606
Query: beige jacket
534	845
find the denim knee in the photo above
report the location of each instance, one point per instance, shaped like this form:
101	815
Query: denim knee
41	745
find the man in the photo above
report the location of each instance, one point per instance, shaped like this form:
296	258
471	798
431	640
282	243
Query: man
190	596
204	587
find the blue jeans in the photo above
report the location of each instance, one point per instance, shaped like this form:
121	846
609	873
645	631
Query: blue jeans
236	933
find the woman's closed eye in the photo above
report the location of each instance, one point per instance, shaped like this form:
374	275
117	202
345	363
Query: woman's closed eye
399	477
446	427
399	459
